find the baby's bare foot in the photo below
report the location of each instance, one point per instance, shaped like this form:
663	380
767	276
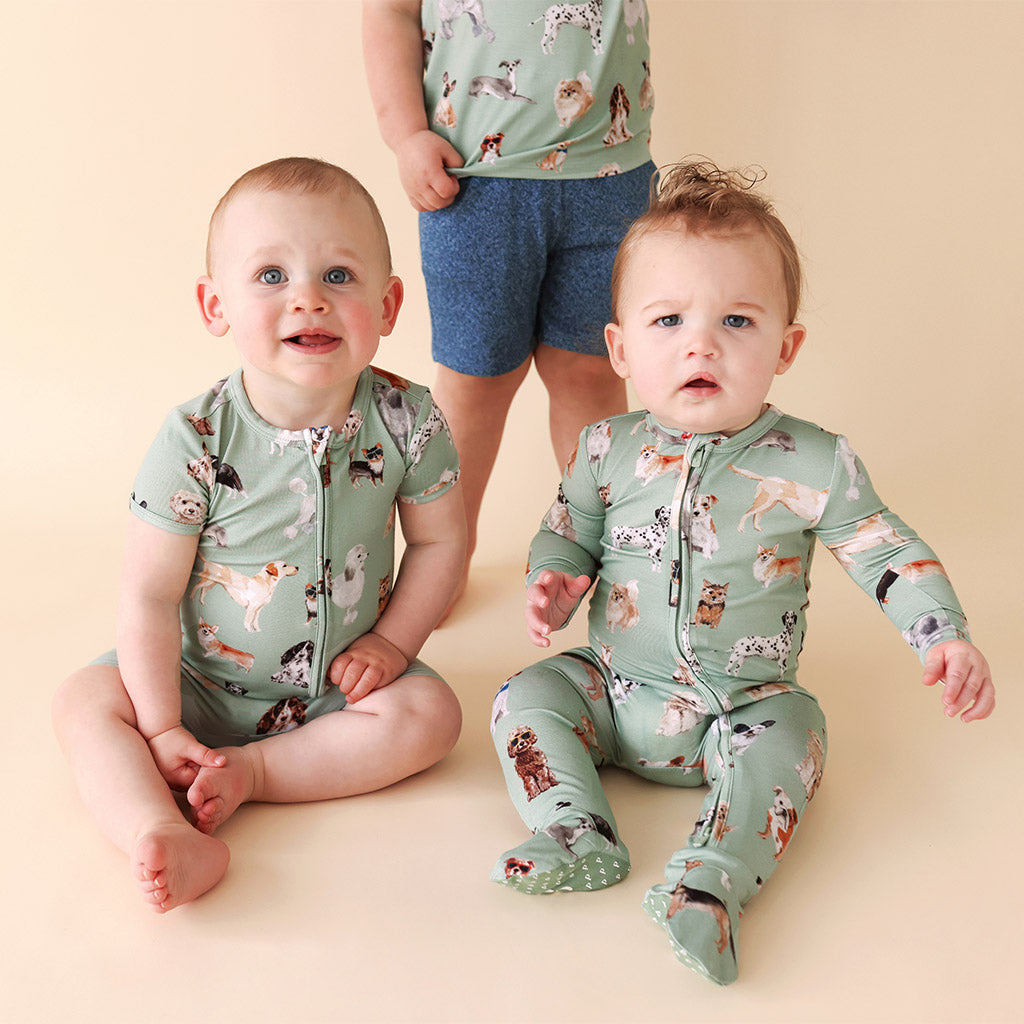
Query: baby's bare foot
174	864
217	793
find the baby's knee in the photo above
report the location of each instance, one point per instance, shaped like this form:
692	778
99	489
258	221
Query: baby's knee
430	715
96	690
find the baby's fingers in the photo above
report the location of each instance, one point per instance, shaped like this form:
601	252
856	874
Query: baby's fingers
968	690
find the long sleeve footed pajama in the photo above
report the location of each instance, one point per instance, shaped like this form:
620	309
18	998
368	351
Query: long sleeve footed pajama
702	548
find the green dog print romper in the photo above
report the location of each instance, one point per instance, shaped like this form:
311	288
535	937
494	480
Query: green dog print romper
702	546
296	543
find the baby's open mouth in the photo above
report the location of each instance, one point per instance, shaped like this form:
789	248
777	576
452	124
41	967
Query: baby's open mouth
700	384
313	339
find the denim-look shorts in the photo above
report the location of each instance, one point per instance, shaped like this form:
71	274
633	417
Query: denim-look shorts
515	262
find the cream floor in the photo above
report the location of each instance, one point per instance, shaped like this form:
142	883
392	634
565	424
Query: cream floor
898	902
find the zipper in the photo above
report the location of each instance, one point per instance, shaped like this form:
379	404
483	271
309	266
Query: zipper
685	495
317	449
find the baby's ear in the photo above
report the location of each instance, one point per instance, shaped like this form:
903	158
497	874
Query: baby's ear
211	308
394	292
616	351
792	339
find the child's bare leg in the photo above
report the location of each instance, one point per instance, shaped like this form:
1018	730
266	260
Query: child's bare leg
476	409
393	733
119	782
582	389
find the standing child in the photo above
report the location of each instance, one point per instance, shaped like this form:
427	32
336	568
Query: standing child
521	130
257	598
698	517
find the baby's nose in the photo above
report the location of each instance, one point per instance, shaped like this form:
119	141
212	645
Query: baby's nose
308	298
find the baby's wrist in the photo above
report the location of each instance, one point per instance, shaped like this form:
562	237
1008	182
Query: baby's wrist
391	643
151	735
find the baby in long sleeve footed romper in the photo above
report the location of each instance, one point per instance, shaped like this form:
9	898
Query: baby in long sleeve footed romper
698	517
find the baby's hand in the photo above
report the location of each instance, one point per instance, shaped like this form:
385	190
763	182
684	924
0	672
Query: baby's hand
422	161
964	670
179	756
549	603
367	664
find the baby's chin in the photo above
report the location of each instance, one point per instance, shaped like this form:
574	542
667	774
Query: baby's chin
704	424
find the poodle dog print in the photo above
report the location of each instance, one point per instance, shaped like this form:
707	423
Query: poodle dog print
187	508
531	764
346	589
253	593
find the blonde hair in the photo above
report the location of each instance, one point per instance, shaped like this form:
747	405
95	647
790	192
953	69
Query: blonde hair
304	175
698	196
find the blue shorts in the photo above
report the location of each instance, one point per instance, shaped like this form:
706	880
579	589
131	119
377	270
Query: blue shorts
515	262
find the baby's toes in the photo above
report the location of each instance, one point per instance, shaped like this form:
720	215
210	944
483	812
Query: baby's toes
209	815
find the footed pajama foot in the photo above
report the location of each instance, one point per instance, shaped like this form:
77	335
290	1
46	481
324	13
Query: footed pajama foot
544	865
700	928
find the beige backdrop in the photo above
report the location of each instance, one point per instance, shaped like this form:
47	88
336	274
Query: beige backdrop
891	133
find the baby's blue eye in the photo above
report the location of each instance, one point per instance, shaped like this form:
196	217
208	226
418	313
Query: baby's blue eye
271	276
672	320
336	275
735	320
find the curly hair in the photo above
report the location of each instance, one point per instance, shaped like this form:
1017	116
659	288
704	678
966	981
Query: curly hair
700	197
305	176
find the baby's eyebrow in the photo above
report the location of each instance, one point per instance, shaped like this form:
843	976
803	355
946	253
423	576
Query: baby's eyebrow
274	253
